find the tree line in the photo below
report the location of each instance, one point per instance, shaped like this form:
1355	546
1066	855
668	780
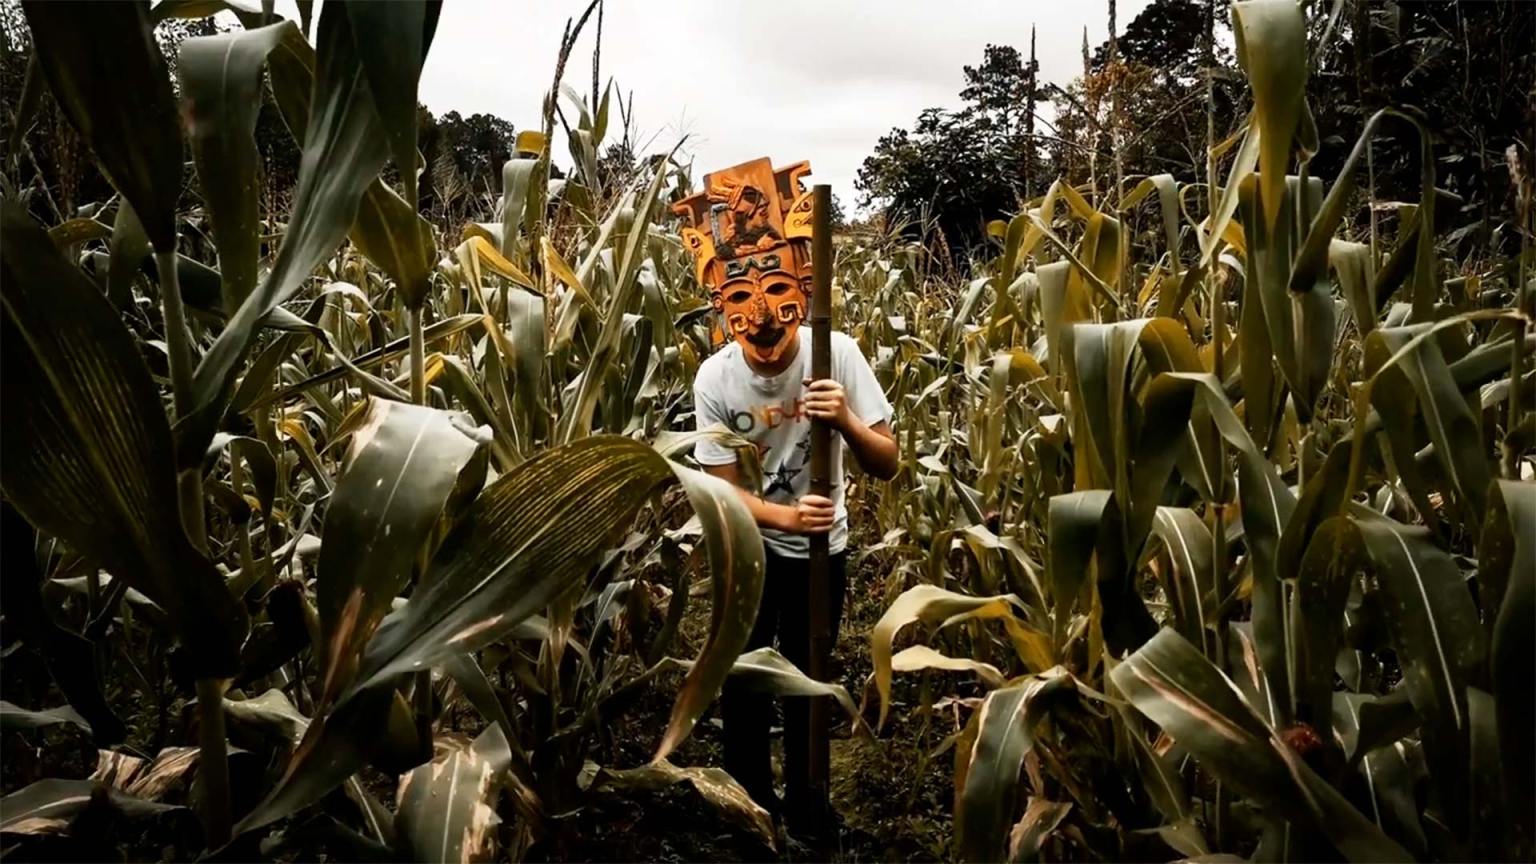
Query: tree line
1465	67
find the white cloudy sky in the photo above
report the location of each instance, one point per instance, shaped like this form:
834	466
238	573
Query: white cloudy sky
820	80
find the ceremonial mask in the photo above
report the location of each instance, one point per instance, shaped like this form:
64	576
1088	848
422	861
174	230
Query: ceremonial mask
749	232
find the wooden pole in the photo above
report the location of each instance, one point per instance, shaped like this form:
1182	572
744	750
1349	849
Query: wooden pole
821	484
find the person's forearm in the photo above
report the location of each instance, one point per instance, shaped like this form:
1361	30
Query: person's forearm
767	514
877	454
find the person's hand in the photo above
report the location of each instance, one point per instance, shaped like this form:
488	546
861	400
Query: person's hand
813	514
825	400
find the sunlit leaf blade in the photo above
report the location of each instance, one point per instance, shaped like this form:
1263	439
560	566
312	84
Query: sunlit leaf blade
931	605
221	90
109	78
402	465
1006	733
917	658
49	806
88	455
343	152
446	808
16	717
766	670
1173	684
719	790
522	542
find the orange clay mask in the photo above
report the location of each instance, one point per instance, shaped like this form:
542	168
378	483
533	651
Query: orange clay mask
749	233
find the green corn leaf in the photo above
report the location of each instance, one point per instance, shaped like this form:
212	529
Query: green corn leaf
1272	49
221	89
1312	258
1170	682
1267	505
516	181
1451	425
1389	779
1005	734
403	463
1300	322
526	539
577	418
109	78
344	148
1508	556
1243	163
1434	625
396	239
1072	531
398	36
88	456
1323	580
1356	271
1192	585
446	809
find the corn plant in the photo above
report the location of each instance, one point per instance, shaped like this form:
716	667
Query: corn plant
1227	563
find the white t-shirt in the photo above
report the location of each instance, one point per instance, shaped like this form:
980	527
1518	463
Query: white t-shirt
769	413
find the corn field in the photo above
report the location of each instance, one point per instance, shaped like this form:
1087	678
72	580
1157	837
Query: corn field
343	533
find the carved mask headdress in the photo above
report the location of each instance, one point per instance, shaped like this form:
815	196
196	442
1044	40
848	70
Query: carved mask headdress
750	235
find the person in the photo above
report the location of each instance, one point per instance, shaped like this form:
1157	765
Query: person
759	387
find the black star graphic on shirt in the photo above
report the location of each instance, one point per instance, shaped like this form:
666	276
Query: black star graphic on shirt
803	447
782	479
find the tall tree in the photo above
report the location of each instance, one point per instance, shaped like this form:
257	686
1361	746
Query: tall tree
952	171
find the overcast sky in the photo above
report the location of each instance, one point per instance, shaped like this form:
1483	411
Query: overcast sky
819	80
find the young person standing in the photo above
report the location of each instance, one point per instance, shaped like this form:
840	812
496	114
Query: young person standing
751	249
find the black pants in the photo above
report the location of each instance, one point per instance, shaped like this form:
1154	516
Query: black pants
784	613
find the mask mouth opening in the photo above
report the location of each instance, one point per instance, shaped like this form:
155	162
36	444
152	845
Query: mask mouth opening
766	336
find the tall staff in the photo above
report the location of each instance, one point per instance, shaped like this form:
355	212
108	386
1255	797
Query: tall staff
821	484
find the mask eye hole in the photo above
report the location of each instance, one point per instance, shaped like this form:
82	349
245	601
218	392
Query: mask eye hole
741	295
779	289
